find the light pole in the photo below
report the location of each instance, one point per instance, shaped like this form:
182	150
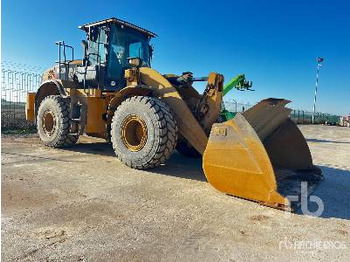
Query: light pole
319	64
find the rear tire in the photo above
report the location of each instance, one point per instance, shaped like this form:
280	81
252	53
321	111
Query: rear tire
144	132
53	122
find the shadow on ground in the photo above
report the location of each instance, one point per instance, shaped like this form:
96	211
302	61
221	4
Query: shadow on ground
326	141
95	148
183	167
334	190
178	165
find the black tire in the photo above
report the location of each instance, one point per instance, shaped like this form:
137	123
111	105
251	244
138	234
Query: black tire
53	122
184	148
155	135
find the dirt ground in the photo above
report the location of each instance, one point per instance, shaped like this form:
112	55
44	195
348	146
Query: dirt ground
82	204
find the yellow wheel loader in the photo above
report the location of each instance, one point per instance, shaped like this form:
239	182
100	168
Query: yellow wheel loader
113	93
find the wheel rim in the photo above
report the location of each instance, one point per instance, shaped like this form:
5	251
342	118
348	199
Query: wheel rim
134	133
49	122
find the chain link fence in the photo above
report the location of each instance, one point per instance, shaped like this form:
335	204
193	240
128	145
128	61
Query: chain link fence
235	107
305	117
19	79
298	116
16	81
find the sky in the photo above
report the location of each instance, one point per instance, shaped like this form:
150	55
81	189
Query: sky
273	42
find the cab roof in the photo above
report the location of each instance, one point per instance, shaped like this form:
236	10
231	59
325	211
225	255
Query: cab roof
86	27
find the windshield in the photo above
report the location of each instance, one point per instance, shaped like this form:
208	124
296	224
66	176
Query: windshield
125	43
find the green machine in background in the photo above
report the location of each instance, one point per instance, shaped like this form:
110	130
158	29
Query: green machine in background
240	83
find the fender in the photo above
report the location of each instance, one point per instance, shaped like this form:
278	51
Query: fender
126	92
188	125
48	88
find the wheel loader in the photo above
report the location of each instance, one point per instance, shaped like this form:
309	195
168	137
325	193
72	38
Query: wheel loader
115	94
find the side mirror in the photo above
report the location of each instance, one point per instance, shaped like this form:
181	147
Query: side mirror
150	50
84	45
135	61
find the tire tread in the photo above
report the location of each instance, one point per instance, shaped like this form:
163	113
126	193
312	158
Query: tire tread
168	130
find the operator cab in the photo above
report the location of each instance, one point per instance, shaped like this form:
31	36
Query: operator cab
109	46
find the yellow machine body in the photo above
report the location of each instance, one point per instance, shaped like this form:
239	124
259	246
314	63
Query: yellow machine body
94	105
259	155
29	108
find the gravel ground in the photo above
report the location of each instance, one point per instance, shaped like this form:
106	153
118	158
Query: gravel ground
82	204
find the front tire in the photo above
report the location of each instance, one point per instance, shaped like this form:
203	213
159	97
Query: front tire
144	132
53	122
